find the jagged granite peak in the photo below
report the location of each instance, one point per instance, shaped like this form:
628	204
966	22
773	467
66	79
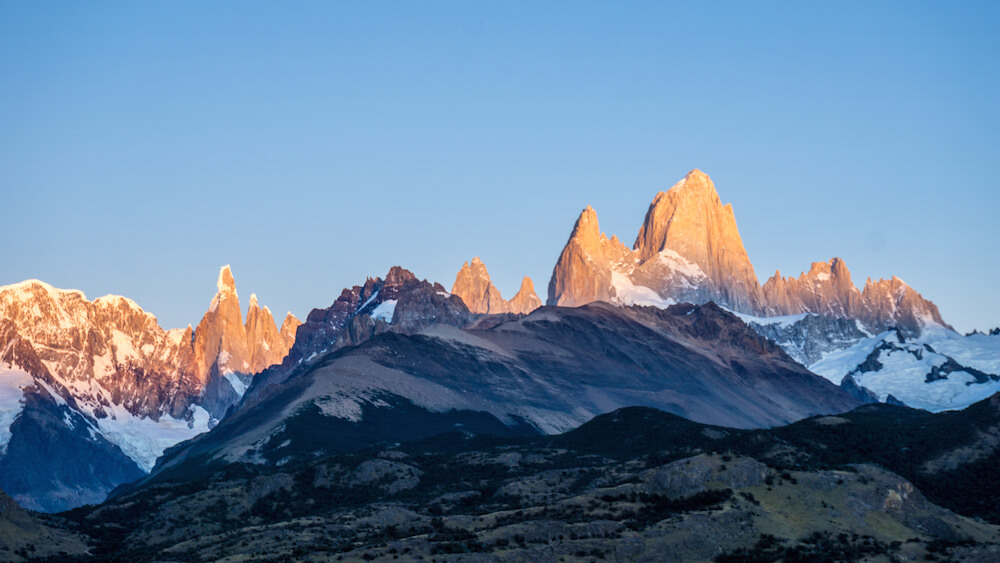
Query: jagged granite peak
826	289
689	250
266	344
399	303
690	220
122	387
582	273
525	300
893	303
473	285
288	328
220	339
226	284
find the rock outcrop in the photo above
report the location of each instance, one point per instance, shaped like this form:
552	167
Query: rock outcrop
399	303
473	285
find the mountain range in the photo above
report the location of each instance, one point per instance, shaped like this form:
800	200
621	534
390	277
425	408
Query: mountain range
94	391
689	250
678	322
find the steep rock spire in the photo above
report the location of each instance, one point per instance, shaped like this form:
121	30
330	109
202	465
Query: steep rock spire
220	339
288	328
690	220
525	300
474	287
582	273
265	344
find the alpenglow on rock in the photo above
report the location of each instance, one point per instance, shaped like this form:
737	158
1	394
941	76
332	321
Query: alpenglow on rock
689	250
104	384
473	285
826	289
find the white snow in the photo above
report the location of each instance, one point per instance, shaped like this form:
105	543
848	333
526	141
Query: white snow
103	365
235	381
904	376
176	335
369	300
12	384
220	284
627	293
124	350
119	300
144	439
681	265
52	392
385	310
979	351
822	276
782	321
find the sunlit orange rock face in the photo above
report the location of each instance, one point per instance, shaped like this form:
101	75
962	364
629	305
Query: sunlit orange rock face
689	250
583	272
110	351
479	294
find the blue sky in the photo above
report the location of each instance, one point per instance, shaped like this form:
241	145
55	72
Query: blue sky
143	145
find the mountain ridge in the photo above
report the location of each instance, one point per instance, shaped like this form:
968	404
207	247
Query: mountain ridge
689	250
106	382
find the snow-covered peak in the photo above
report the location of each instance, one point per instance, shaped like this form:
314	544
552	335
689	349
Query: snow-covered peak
226	283
26	288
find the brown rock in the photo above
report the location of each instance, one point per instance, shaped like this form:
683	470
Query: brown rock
525	300
583	272
690	250
220	338
288	328
473	286
827	289
110	349
266	345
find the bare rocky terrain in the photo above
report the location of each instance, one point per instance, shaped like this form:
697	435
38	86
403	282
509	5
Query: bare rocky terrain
633	485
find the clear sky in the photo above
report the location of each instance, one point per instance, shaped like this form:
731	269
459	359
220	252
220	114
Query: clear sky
310	145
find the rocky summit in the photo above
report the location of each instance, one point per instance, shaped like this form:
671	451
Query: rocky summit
689	250
473	285
103	382
826	289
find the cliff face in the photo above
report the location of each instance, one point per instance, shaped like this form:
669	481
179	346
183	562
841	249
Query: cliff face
477	291
690	221
583	273
525	300
826	289
690	250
